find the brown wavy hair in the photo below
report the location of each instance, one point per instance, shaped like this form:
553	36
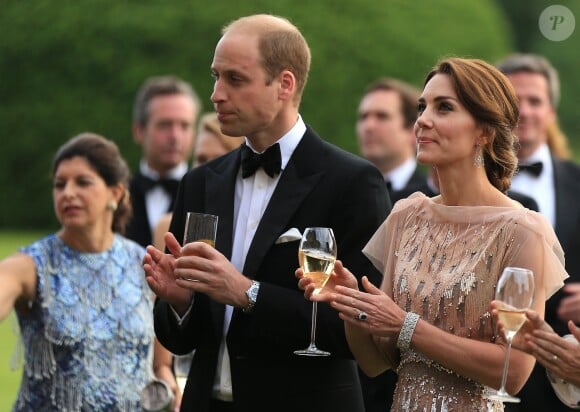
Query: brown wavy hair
490	98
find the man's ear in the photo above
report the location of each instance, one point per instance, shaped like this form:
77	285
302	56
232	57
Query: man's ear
287	88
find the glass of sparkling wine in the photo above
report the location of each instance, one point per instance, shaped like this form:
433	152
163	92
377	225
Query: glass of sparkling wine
200	227
515	291
316	255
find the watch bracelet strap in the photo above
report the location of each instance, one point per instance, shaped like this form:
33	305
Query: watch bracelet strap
251	302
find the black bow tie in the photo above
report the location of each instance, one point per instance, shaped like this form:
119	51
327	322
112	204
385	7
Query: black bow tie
270	160
535	169
169	185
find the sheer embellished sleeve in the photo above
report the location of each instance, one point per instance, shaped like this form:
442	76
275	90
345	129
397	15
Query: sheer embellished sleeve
535	246
381	248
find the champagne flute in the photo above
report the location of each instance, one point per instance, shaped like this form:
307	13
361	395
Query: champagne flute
316	255
515	291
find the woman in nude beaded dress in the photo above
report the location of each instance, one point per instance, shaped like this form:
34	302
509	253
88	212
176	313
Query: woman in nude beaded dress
441	257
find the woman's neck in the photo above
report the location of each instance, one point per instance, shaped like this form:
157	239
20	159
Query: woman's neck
467	188
86	241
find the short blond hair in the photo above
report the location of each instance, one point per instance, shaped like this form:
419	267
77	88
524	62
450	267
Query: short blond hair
282	46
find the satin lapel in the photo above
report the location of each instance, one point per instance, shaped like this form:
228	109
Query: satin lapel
219	200
295	183
565	203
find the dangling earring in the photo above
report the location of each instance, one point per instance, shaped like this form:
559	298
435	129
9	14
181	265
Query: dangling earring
112	205
478	161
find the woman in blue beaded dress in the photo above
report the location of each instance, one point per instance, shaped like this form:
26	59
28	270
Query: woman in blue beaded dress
80	296
441	257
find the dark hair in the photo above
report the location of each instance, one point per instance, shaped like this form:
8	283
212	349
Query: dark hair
161	86
490	98
104	157
408	94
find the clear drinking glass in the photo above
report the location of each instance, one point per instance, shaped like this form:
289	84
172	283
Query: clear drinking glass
200	227
316	255
515	291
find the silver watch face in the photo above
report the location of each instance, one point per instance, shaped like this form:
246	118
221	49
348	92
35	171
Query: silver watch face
253	292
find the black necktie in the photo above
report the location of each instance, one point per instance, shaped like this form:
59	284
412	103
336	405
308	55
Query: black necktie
535	169
270	160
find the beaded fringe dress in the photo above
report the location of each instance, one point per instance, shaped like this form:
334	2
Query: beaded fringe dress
88	335
443	263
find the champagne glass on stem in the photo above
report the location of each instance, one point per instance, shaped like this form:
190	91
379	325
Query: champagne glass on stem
316	255
515	291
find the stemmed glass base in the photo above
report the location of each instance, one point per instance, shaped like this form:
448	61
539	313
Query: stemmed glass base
501	396
311	350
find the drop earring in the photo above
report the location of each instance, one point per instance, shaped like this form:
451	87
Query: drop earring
478	160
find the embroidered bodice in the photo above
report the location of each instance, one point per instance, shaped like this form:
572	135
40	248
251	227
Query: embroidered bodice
443	263
88	334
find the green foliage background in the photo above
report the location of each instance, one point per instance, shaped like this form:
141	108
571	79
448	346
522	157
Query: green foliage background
67	67
73	66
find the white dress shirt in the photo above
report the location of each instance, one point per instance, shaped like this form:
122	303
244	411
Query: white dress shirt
540	188
251	199
400	176
157	200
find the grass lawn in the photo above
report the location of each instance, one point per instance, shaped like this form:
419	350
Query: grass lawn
10	379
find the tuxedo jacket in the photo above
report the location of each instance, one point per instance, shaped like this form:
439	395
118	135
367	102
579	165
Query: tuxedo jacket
537	394
138	228
320	186
417	183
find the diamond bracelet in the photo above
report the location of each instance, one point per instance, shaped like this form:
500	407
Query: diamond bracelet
406	333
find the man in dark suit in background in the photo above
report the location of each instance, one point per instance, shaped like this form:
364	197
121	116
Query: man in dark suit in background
244	313
164	117
553	182
386	115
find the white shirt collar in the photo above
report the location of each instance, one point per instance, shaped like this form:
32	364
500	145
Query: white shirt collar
400	176
176	173
289	141
542	154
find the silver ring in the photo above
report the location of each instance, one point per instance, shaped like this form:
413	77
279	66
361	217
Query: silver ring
362	315
554	358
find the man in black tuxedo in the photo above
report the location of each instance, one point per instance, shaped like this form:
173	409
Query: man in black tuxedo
242	310
386	115
553	182
164	116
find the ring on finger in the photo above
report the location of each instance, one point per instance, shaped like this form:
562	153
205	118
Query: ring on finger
554	358
362	315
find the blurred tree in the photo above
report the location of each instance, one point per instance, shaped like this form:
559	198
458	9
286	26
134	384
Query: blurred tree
68	67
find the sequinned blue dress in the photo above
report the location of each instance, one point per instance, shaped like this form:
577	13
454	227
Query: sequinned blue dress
88	334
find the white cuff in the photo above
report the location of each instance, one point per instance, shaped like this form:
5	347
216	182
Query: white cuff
181	319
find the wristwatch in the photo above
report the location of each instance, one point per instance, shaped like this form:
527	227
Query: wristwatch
252	294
